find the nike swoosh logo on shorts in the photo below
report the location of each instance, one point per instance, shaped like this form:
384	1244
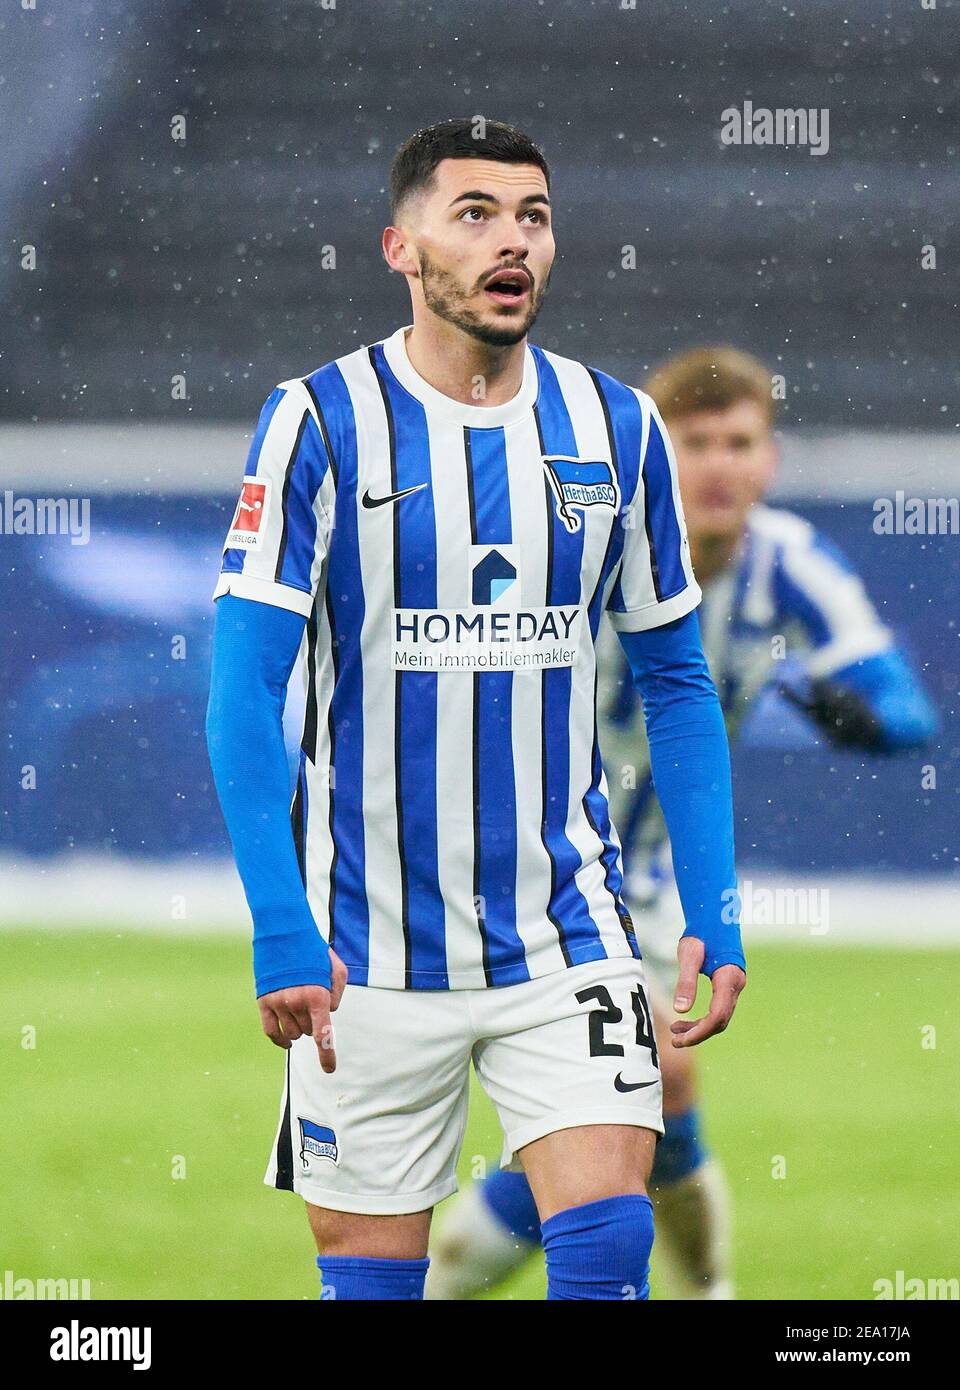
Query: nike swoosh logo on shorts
369	501
621	1085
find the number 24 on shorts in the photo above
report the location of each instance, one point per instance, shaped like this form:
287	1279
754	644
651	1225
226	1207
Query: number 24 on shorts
608	1013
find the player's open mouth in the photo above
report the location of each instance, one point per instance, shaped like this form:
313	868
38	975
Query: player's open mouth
508	286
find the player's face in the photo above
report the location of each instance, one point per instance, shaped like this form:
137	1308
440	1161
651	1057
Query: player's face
725	461
484	244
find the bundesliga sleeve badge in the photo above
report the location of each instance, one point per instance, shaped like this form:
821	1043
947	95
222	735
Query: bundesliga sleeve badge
248	529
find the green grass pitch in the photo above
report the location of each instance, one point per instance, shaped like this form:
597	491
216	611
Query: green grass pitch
148	1057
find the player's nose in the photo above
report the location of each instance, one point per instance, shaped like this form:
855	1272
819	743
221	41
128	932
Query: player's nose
719	458
513	241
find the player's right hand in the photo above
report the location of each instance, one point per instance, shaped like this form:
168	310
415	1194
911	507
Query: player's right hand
287	1014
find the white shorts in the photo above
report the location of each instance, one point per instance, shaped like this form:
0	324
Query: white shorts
382	1134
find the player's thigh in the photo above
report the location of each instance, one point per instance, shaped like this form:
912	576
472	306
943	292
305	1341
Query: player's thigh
401	1237
658	930
380	1136
572	1051
677	1064
572	1167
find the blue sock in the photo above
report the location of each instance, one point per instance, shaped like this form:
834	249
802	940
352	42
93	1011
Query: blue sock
352	1277
600	1250
509	1197
681	1149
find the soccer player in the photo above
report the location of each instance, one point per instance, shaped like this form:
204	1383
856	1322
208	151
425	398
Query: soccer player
436	523
766	574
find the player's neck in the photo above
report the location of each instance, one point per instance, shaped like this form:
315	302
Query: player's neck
462	368
711	555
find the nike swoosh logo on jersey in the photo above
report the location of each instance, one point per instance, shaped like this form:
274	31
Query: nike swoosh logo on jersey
369	501
621	1085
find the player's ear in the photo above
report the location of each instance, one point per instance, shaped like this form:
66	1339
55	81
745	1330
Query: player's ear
398	253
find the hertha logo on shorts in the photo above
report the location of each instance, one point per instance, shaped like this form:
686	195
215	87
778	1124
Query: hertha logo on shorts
580	483
317	1141
249	524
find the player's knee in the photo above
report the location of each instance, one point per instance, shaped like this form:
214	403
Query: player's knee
370	1258
344	1233
681	1150
600	1251
331	1230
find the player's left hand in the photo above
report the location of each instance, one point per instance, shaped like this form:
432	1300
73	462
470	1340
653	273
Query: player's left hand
727	981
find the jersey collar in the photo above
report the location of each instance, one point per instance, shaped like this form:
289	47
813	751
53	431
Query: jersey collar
474	416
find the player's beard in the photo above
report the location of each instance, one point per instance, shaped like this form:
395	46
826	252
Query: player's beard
444	296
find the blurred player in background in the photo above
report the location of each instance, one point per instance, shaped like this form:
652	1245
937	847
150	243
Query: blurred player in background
766	575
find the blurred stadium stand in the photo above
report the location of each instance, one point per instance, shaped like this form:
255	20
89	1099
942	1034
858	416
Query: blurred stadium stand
157	258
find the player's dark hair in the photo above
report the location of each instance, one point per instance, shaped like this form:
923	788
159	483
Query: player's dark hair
475	138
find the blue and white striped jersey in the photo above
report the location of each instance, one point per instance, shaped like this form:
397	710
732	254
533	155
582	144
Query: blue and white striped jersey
788	594
453	562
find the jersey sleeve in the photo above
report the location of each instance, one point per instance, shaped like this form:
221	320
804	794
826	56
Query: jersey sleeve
280	533
816	585
655	583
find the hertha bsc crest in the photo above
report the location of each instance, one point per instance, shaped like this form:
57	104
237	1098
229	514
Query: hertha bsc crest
317	1141
579	483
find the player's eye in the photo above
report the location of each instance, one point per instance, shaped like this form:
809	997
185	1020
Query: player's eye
465	215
